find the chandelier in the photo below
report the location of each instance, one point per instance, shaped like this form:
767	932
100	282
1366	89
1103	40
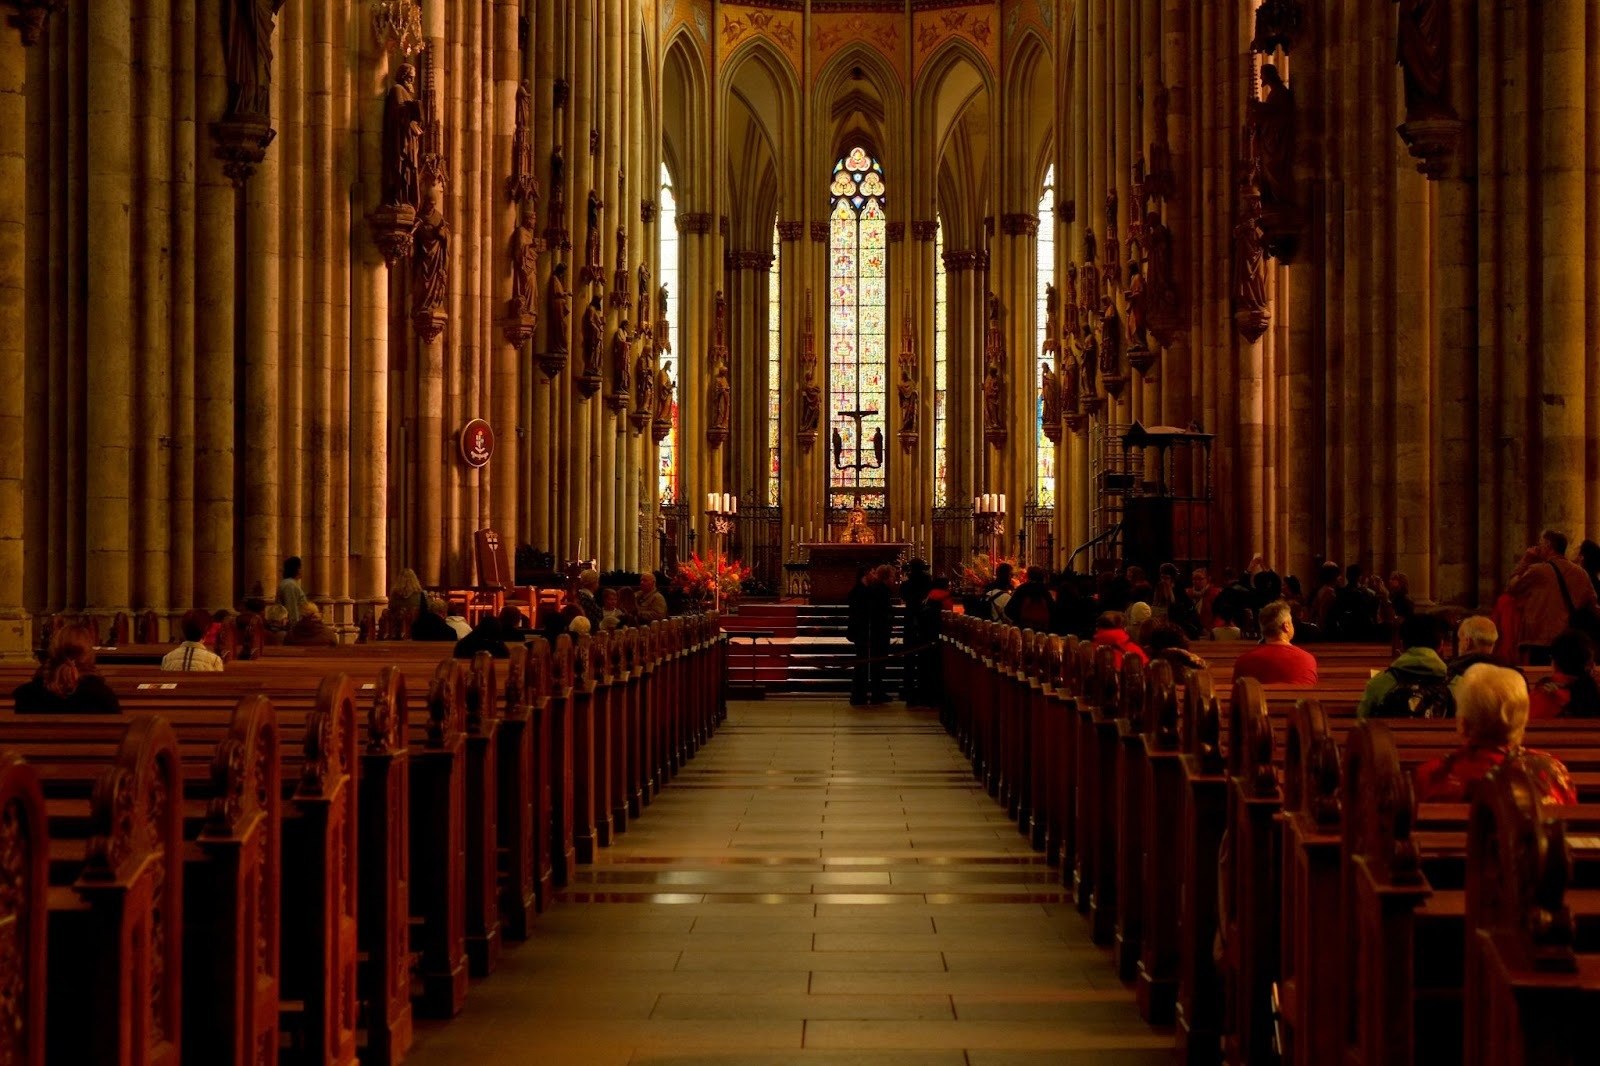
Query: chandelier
397	24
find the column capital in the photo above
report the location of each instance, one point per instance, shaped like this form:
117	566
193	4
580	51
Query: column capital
697	222
819	232
790	229
30	15
1019	224
895	231
924	229
749	259
647	211
960	260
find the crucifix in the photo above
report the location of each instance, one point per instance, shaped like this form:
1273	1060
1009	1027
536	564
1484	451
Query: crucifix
860	463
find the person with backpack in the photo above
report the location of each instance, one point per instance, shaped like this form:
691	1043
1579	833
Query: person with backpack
1414	685
1570	691
997	593
1030	606
1552	594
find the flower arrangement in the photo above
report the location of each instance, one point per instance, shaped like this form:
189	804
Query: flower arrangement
699	579
978	571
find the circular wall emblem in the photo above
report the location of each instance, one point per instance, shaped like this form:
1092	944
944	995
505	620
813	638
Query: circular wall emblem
477	442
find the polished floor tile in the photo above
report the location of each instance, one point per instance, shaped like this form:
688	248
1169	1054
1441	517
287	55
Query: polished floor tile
819	886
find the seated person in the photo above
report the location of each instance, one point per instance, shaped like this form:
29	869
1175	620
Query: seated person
1110	630
1138	616
1414	684
430	624
1491	714
1570	690
1030	605
628	604
458	625
513	625
610	612
485	636
275	616
311	631
586	597
1225	619
1476	637
1164	640
1277	661
192	654
66	682
652	604
407	594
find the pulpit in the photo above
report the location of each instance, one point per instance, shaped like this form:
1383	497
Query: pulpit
833	567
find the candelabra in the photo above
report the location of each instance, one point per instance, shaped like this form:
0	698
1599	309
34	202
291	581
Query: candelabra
721	507
989	517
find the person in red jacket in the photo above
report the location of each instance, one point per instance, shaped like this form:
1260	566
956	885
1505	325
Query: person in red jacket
1491	714
1111	630
1277	661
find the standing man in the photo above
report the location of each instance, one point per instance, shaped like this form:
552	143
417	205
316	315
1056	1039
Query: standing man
290	594
1549	589
652	604
859	633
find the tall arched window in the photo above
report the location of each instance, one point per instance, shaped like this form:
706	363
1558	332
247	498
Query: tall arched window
774	372
667	452
857	350
1045	472
941	372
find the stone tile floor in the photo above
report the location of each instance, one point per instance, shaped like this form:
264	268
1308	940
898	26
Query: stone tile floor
822	886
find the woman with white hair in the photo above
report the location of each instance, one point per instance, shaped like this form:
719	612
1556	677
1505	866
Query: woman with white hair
1491	714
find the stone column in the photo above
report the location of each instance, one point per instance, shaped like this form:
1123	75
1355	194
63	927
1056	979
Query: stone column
509	344
16	627
369	393
1560	155
109	411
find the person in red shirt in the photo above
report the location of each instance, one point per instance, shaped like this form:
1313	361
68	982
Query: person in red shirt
1111	630
1491	714
1277	661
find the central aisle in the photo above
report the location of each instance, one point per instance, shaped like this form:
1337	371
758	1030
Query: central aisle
823	885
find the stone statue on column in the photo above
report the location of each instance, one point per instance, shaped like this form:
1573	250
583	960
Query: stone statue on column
906	390
644	385
1071	389
1160	283
1090	347
810	392
402	140
1250	313
721	405
719	319
559	301
593	329
1050	400
247	29
1112	341
663	397
525	247
556	234
621	365
994	360
593	269
644	298
663	326
620	279
1423	52
1051	318
1270	140
430	268
1432	127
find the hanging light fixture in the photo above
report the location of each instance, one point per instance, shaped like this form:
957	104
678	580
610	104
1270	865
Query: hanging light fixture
397	25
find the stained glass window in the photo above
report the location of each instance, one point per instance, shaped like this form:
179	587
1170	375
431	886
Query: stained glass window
941	373
857	347
1045	480
774	372
667	452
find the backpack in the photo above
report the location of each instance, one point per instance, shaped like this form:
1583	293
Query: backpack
1417	695
997	606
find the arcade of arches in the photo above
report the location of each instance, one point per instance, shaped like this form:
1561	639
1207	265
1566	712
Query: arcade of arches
232	334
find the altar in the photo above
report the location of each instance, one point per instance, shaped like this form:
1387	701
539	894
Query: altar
833	567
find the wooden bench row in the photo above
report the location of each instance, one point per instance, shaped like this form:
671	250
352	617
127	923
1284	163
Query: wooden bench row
461	806
1172	809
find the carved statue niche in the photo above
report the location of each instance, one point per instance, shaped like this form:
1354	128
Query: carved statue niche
644	297
993	424
1071	384
1112	341
593	269
810	409
559	301
594	326
522	186
1250	314
1160	284
620	297
247	29
719	320
1272	141
557	233
430	268
402	141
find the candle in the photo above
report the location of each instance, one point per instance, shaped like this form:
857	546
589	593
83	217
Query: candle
580	549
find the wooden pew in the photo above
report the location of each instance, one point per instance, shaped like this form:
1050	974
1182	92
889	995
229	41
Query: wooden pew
1529	992
24	911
